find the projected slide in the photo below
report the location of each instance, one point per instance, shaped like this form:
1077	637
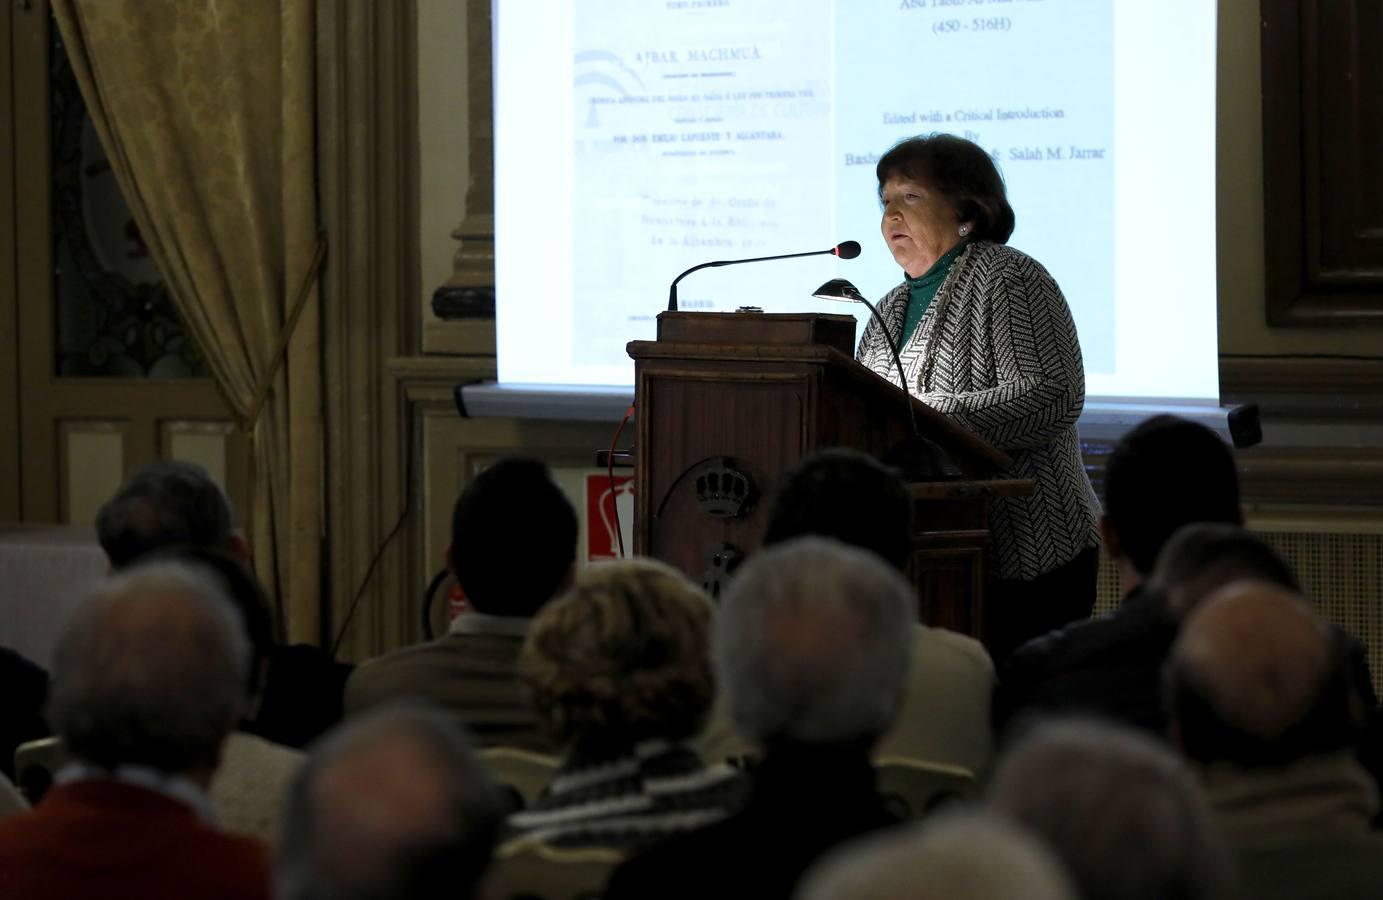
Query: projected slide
1028	81
638	138
690	147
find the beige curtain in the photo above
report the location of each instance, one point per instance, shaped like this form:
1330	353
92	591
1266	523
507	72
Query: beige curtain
206	110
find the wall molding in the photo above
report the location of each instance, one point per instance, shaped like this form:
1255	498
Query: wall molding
367	170
1348	388
10	477
463	309
1322	455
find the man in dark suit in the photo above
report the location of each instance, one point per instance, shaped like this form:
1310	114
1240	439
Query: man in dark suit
812	645
148	680
1163	475
513	548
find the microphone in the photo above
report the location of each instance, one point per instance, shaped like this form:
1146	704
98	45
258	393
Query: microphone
845	250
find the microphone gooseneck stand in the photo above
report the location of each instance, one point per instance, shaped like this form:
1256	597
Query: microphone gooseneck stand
845	250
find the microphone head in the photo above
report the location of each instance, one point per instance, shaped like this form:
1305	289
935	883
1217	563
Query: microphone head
848	249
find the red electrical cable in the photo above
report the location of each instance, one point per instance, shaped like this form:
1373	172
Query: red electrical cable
610	471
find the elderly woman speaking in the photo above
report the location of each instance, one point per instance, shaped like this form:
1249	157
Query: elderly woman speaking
986	338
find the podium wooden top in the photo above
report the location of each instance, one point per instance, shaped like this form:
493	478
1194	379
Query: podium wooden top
779	329
816	339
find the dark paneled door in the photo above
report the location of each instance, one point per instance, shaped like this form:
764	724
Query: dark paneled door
1323	161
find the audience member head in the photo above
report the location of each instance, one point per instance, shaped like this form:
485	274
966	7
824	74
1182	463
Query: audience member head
812	645
513	538
620	658
391	806
151	671
1204	557
1123	813
969	855
845	495
1166	473
1254	682
163	504
246	596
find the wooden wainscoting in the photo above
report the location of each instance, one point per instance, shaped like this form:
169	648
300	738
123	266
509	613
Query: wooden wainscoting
93	455
1339	564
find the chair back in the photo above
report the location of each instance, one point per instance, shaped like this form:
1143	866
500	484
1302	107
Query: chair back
12	802
251	784
913	788
36	763
525	869
523	772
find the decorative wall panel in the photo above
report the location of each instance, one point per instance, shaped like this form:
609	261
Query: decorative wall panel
93	455
217	446
1323	160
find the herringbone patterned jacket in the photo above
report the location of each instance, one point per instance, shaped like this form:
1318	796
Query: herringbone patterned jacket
997	353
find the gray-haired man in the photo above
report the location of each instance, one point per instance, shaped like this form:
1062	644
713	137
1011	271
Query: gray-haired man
812	645
148	680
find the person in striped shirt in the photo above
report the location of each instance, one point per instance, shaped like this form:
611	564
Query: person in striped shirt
620	675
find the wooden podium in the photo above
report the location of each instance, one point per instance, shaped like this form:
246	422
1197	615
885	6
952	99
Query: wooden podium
727	401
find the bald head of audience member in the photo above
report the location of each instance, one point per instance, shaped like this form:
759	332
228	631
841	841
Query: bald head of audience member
812	645
971	855
168	503
846	495
152	671
1123	814
1203	557
393	806
1253	682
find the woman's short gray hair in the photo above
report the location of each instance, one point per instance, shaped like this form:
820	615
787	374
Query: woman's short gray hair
968	854
1123	812
812	643
152	670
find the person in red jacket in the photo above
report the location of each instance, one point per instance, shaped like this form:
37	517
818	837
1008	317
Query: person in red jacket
148	680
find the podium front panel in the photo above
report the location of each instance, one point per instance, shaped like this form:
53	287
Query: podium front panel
717	443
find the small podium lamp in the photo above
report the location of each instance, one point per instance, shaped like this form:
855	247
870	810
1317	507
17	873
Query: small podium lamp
917	458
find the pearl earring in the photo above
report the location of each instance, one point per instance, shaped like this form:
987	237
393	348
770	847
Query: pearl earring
964	230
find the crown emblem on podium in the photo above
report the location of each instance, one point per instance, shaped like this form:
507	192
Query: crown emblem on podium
723	489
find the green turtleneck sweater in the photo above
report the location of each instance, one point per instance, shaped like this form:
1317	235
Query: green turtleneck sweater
922	291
